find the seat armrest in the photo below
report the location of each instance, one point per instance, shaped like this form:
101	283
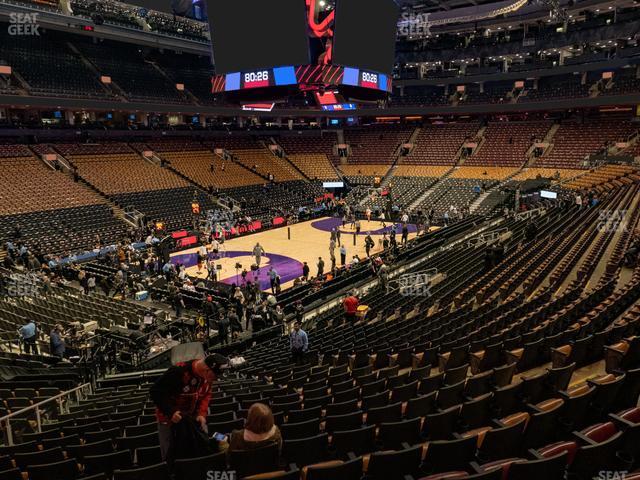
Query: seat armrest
535	455
613	350
621	422
498	423
534	408
495	423
512	358
583	438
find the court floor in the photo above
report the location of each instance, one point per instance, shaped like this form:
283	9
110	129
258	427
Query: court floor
309	240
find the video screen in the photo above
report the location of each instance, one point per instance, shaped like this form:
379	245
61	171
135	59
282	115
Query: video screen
326	98
547	194
248	35
365	34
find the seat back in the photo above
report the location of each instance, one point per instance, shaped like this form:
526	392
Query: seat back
38	458
591	459
542	428
440	426
450	396
94	464
358	441
306	451
147	456
388	413
348	421
292	431
445	455
559	378
552	467
420	406
345	471
394	434
63	470
502	442
394	465
251	462
198	467
159	471
503	375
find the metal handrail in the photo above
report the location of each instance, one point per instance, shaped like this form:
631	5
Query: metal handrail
18	341
7	418
487	237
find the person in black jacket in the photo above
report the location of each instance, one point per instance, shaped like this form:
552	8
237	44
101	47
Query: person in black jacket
184	390
368	244
223	329
209	312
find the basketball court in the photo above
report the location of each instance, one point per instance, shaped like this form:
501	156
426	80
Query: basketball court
309	240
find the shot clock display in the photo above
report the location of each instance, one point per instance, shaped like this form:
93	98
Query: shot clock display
257	79
366	79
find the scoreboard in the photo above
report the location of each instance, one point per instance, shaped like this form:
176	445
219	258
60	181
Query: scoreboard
319	75
267	51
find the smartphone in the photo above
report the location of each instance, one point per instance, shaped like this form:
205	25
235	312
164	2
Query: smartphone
220	437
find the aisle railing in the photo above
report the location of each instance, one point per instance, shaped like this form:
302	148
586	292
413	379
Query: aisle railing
63	407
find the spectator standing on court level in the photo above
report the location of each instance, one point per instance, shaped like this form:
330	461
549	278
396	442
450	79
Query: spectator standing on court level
368	244
273	278
332	250
343	255
258	251
320	267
